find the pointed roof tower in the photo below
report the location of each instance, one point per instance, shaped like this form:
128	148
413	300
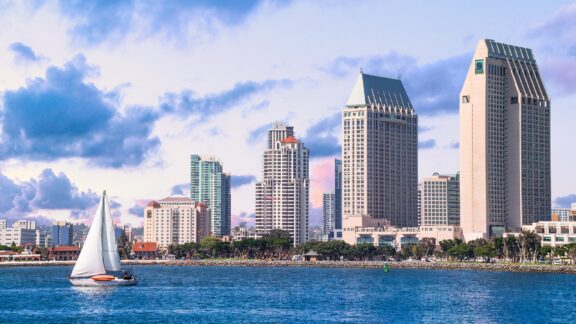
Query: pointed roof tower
371	89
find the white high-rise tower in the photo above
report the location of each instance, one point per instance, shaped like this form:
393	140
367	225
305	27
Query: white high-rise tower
282	197
504	142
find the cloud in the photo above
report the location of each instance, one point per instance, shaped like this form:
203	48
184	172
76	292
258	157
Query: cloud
63	116
564	201
248	218
455	145
23	54
322	137
258	134
136	210
241	180
114	204
188	103
558	36
427	144
180	189
433	88
57	192
94	22
49	191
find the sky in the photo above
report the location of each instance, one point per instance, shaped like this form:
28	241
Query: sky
116	95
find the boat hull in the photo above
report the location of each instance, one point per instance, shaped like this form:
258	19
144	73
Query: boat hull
88	282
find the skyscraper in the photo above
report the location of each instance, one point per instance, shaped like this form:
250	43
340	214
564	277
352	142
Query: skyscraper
380	152
504	142
282	197
338	193
440	200
211	186
62	234
328	212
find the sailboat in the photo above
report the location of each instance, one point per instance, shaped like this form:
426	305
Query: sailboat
99	261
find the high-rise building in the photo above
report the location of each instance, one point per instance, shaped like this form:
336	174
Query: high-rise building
560	215
176	220
504	142
380	153
338	193
440	200
329	212
62	233
211	186
282	197
25	223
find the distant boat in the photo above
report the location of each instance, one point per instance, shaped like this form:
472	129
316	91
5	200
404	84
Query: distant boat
99	261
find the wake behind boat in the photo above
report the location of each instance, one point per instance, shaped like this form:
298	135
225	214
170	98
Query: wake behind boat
99	260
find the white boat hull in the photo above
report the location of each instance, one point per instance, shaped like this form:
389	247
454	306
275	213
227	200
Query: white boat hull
87	282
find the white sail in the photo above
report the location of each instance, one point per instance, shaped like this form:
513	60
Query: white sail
109	247
90	261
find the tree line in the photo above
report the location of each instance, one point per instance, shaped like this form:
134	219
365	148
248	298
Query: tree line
526	247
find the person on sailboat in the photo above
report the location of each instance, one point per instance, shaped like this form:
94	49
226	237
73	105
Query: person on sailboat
126	275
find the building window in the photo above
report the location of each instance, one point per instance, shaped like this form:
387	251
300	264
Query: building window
465	99
479	66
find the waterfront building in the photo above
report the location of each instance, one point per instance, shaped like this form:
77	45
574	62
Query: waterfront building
560	214
145	250
25	223
17	235
440	200
62	234
282	196
3	224
554	233
211	186
176	220
364	229
41	239
128	230
380	152
504	142
419	204
328	212
243	233
338	194
64	253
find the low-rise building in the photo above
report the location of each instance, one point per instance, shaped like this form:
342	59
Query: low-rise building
554	233
64	253
145	250
364	229
242	233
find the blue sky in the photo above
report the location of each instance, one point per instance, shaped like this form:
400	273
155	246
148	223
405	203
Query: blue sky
115	95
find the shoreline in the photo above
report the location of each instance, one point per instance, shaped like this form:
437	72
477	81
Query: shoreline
441	265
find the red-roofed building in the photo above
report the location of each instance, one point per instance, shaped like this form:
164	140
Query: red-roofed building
290	140
64	253
145	250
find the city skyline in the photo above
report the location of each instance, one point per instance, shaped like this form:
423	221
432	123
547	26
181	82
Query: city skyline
148	115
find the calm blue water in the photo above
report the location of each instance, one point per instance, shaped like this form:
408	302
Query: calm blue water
239	294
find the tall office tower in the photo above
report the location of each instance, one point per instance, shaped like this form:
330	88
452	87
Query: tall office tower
504	142
329	212
282	197
211	186
338	193
440	200
176	220
62	234
380	152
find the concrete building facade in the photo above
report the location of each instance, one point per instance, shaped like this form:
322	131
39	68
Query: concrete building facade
504	142
380	152
283	195
176	220
338	194
211	186
440	200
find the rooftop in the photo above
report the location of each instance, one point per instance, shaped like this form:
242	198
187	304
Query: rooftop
66	248
371	89
290	139
145	247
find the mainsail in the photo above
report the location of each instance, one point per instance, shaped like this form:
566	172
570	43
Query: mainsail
99	253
